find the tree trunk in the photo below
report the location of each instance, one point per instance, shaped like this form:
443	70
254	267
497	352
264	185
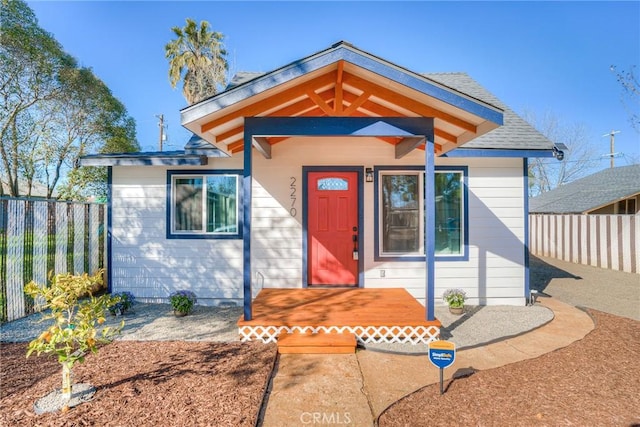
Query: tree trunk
66	381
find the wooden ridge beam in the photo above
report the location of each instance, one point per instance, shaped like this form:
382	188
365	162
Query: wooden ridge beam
357	103
273	101
445	135
406	102
230	133
303	105
238	145
321	103
338	89
275	139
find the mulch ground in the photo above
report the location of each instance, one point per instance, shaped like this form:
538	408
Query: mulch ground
143	384
593	382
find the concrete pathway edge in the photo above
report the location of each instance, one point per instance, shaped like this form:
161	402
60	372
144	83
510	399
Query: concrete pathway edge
355	389
406	374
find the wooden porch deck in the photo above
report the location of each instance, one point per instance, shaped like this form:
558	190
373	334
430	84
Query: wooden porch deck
372	315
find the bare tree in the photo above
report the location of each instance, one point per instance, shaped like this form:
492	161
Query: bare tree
580	157
630	93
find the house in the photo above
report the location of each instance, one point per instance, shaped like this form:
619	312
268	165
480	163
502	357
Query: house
38	189
340	169
593	221
610	191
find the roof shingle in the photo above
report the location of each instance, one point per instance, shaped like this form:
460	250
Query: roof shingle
590	192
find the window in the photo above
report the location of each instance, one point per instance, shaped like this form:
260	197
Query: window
449	212
333	184
400	214
204	204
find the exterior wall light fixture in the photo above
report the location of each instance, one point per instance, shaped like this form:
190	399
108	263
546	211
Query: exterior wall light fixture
368	173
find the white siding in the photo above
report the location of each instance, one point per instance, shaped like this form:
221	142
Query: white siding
493	274
151	266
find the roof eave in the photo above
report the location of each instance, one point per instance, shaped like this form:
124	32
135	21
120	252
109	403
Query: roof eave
497	152
143	159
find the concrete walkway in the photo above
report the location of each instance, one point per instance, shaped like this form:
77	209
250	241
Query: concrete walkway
611	291
355	389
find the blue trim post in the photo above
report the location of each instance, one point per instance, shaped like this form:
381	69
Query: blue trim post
525	182
109	226
430	225
246	226
305	227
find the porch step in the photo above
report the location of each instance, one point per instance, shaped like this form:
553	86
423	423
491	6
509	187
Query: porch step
320	343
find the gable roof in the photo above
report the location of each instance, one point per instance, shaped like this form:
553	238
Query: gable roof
589	193
515	133
341	81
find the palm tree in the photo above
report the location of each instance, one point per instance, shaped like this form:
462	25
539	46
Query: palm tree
197	56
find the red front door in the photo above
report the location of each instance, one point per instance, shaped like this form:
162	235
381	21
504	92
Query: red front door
332	228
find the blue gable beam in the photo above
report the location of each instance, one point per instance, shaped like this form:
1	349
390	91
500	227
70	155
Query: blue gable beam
337	126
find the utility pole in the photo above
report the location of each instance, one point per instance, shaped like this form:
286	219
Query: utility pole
161	126
612	139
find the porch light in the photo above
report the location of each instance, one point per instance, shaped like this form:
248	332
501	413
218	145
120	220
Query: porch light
368	173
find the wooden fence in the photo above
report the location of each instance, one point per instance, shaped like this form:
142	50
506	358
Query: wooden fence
42	236
606	241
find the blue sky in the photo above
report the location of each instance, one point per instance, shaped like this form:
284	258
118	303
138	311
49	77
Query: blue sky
534	56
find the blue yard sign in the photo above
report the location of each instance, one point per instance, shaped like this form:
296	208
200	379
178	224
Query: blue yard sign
442	354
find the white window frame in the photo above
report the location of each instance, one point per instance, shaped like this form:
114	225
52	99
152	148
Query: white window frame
173	176
381	255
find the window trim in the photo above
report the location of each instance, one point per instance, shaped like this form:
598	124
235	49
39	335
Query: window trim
464	256
203	173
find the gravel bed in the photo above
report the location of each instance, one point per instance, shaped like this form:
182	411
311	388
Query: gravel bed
155	322
149	322
477	326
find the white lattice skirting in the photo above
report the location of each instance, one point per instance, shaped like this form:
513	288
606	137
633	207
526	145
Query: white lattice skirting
364	334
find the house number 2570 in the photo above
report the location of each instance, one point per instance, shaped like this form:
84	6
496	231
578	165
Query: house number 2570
292	186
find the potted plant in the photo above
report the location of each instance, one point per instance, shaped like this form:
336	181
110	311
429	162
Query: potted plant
125	301
455	300
182	302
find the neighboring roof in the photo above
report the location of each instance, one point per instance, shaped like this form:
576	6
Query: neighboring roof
515	134
38	189
589	193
